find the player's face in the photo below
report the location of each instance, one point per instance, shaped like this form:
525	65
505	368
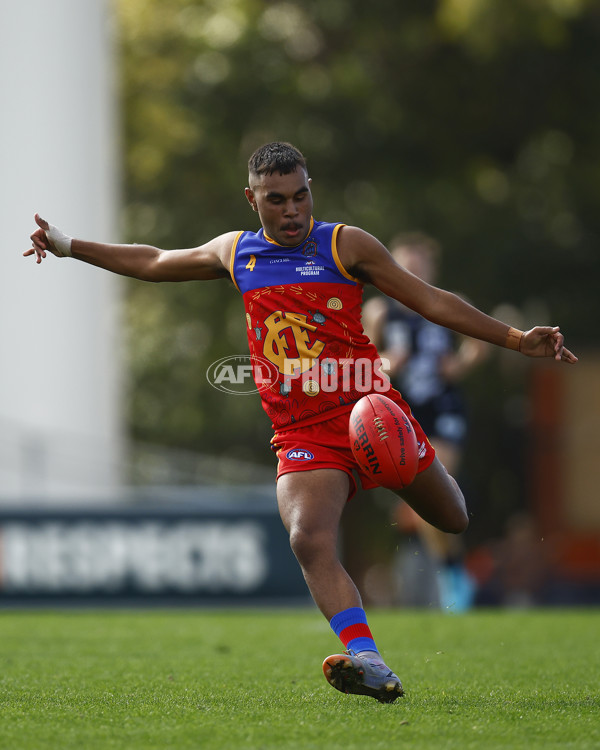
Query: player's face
284	204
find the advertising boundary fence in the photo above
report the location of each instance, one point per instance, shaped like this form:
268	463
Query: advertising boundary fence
151	554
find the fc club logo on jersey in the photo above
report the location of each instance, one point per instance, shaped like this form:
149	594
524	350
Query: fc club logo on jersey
276	344
310	249
298	454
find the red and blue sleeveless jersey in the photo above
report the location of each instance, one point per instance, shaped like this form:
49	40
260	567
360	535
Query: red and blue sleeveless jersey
303	318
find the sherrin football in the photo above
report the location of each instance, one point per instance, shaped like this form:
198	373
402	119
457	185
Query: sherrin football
383	441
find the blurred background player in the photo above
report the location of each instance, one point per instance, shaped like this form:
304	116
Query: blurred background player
427	363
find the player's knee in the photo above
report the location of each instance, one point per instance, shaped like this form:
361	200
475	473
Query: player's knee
458	518
461	527
303	545
308	546
457	523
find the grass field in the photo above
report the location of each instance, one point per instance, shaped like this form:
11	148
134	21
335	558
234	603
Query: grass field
252	679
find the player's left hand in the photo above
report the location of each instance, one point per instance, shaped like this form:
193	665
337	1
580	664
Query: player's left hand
546	341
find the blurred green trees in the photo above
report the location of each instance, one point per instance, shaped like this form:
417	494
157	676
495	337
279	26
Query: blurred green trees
474	120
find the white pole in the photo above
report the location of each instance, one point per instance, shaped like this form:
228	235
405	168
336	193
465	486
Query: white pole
61	431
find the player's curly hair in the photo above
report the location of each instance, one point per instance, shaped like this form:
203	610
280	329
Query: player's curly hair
275	157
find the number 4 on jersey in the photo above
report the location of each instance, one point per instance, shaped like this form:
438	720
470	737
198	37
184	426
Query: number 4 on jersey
251	263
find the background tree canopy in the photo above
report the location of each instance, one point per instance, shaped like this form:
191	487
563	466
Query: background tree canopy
473	120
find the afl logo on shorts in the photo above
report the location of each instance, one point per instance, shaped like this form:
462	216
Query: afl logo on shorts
297	454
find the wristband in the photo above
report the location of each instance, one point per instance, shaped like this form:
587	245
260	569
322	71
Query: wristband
61	241
513	339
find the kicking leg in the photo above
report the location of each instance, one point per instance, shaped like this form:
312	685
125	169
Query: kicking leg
438	499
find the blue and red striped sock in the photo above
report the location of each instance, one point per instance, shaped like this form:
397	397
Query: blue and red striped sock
351	628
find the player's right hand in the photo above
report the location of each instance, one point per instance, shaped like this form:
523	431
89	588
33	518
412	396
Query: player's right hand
39	240
48	238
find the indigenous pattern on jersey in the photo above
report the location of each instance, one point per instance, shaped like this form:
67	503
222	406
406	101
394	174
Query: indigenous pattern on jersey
303	316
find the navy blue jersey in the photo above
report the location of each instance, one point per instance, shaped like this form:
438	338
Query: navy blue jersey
436	403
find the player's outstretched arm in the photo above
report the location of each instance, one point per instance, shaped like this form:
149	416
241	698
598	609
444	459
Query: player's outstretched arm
209	261
363	256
